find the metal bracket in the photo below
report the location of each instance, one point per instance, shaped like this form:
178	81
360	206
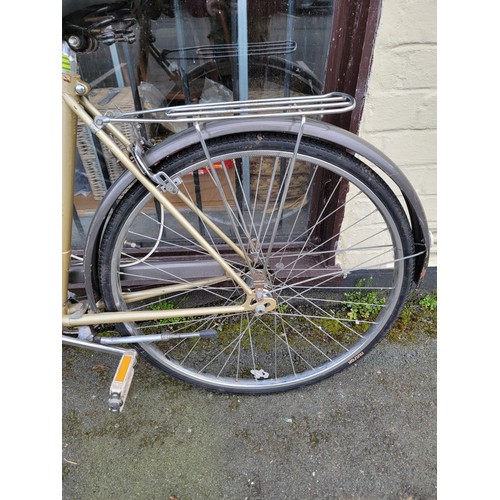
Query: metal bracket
161	179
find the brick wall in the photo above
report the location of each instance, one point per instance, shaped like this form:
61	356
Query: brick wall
400	109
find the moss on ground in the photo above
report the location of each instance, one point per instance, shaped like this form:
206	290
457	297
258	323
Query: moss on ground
417	320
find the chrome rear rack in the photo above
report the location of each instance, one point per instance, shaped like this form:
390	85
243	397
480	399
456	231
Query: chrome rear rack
327	104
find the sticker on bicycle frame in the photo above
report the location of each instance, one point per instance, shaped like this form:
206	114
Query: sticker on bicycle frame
69	64
355	358
66	65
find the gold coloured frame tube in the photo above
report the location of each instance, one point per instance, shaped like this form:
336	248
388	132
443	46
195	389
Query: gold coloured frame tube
266	305
131	297
127	316
69	132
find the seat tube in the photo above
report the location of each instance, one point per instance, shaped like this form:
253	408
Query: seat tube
69	132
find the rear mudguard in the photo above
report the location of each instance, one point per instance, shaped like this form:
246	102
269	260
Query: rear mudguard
312	128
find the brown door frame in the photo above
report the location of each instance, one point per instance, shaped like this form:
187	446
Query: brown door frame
350	56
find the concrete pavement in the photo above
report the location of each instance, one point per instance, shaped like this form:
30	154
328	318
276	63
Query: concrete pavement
368	432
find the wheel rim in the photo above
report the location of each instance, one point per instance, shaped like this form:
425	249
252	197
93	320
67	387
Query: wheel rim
314	331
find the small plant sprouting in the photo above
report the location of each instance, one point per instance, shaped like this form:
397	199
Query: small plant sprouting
429	302
281	308
165	305
361	303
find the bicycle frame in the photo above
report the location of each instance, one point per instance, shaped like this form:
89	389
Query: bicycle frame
76	105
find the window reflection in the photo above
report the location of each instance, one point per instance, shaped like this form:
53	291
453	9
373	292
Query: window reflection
180	43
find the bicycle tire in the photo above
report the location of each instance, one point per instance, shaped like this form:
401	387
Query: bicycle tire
337	295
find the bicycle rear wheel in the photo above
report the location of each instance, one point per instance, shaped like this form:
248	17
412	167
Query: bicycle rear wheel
326	237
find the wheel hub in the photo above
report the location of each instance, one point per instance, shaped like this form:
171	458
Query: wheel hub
262	288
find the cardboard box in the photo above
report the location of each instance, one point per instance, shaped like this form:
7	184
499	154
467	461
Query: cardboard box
211	197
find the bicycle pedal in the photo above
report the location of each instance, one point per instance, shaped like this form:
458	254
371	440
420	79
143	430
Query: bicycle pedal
122	380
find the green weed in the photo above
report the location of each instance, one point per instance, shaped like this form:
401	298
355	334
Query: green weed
165	305
362	304
429	302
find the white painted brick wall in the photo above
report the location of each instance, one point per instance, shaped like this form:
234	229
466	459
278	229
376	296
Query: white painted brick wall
400	108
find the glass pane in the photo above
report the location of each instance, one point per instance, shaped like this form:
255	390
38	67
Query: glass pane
279	50
191	51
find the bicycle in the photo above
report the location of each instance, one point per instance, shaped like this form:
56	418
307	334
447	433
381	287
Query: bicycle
256	251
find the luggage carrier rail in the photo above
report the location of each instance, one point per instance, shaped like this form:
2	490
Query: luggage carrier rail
326	104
